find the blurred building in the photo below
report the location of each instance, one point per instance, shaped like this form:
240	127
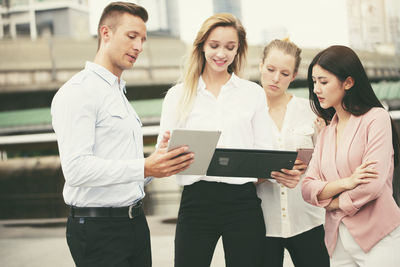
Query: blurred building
229	6
273	32
374	25
163	19
172	17
393	14
33	18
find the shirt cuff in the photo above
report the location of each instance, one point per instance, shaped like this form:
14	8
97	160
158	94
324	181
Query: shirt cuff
320	185
135	170
346	204
148	180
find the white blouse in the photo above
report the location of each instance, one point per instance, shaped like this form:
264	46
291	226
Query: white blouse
239	112
286	214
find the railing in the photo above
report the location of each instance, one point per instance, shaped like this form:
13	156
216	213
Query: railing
46	64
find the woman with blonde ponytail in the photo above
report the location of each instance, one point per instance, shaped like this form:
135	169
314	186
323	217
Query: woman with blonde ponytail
291	223
212	97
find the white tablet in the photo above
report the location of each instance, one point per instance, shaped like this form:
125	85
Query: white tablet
201	143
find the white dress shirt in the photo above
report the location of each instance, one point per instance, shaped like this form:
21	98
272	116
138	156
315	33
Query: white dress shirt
99	139
239	112
285	212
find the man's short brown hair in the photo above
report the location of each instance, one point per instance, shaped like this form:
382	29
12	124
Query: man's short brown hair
112	12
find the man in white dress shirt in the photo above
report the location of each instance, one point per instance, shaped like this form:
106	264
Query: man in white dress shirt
101	149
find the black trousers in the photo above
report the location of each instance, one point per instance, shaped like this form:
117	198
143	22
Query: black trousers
306	249
109	242
211	210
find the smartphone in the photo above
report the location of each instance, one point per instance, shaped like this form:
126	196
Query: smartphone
305	154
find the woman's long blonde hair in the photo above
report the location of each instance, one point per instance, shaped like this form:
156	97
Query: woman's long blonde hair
196	61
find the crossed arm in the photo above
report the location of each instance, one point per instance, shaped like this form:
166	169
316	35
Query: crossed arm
366	183
362	175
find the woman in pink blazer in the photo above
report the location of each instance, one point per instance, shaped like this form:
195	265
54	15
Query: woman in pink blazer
351	171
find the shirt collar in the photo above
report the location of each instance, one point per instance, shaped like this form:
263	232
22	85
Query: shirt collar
105	74
233	82
289	104
334	120
201	85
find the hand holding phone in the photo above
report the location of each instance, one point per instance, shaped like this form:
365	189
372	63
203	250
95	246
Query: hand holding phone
305	154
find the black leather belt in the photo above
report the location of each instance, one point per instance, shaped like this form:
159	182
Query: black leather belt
131	212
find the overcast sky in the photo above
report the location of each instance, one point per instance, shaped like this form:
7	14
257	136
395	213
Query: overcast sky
309	23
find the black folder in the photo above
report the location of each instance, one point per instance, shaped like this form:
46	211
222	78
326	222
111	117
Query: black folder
249	162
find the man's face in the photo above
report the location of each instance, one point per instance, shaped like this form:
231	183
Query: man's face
125	42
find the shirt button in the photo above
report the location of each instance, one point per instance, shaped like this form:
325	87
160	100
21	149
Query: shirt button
282	193
283	209
284	215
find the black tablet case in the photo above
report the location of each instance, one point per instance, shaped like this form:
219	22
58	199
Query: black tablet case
249	162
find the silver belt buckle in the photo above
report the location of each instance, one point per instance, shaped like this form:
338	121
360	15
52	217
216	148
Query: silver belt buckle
130	211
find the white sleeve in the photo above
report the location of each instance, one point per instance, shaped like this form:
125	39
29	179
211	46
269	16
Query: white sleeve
74	120
169	113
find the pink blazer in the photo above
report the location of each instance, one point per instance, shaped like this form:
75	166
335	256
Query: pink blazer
369	210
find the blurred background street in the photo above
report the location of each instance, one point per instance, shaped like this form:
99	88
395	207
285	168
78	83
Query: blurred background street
44	42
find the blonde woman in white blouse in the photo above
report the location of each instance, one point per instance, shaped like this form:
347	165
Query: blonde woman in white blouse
291	223
212	97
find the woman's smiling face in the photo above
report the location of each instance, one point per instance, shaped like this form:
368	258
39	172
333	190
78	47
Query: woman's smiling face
220	48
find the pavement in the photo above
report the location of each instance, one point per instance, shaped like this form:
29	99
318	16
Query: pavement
41	243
